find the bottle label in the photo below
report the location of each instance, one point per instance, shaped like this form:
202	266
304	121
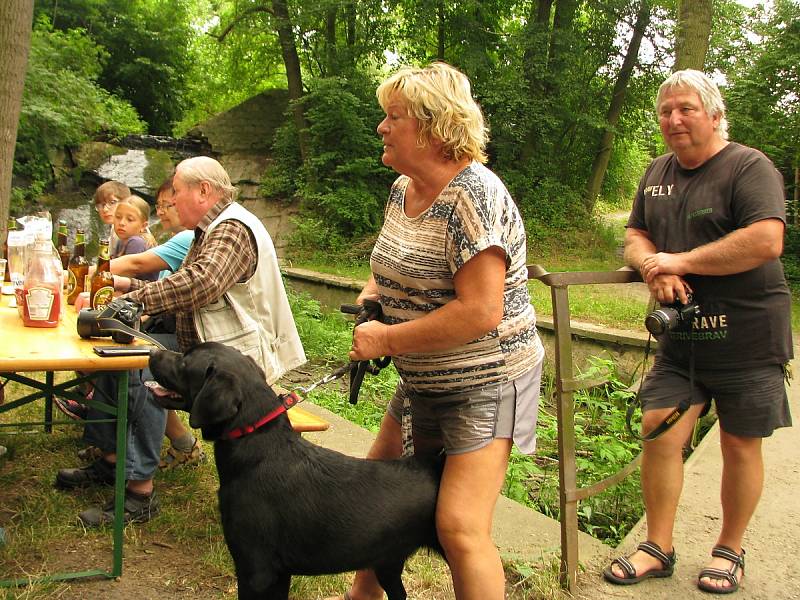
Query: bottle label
72	282
103	297
39	302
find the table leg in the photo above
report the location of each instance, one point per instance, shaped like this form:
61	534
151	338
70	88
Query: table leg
119	483
48	401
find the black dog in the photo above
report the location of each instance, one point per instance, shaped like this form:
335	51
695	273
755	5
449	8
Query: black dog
289	507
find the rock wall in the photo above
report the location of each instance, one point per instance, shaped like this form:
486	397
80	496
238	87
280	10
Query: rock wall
241	139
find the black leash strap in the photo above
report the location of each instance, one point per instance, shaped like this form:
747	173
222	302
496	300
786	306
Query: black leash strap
672	417
370	310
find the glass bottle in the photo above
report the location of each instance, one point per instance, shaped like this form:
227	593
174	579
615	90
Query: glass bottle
12	226
78	268
102	286
61	244
42	289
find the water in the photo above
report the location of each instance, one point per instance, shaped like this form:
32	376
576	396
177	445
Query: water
129	168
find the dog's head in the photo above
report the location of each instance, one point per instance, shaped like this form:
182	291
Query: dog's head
214	383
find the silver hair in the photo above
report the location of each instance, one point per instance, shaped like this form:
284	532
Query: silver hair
709	93
204	168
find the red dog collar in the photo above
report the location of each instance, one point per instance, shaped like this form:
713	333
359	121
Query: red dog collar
287	402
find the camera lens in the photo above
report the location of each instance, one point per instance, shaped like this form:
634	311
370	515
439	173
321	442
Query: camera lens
661	320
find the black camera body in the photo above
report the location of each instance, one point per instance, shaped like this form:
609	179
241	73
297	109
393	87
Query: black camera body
101	322
672	316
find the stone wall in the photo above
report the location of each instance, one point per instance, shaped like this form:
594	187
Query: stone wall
241	139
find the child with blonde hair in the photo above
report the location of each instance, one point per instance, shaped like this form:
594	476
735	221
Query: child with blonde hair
131	218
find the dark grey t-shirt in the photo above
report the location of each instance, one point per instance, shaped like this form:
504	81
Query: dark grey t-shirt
746	316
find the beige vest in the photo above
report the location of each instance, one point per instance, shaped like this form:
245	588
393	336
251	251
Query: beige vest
254	316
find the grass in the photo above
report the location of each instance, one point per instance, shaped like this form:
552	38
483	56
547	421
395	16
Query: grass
42	535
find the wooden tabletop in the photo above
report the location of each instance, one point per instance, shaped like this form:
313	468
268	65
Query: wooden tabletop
54	348
62	349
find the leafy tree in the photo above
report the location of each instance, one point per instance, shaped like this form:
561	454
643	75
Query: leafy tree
344	185
762	96
63	105
148	45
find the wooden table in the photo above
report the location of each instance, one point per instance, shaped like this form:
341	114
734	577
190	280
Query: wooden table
30	349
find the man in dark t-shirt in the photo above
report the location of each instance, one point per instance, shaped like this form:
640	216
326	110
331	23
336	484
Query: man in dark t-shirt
707	225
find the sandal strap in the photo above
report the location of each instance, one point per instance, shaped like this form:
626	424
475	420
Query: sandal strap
713	573
627	567
654	550
729	554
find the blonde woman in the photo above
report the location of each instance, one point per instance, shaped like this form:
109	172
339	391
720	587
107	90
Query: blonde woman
449	269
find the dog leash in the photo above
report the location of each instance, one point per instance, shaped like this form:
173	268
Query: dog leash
287	400
370	310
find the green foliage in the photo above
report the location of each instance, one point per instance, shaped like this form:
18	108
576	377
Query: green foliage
343	185
791	257
62	105
603	446
146	43
762	99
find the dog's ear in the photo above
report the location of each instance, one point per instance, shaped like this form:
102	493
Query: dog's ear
217	401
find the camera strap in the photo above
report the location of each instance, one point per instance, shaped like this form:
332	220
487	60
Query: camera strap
112	324
676	414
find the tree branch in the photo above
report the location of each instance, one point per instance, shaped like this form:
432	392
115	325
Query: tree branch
240	18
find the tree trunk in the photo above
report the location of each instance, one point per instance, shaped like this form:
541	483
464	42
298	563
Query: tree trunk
294	77
796	218
16	19
330	41
535	60
350	12
537	34
692	34
440	33
562	39
603	155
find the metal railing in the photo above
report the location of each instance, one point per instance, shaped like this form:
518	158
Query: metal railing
566	384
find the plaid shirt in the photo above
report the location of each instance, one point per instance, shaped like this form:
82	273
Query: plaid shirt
210	269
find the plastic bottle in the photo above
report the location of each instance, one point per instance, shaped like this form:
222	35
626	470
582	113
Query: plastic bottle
42	292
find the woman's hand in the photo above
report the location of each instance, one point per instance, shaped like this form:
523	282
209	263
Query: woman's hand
370	340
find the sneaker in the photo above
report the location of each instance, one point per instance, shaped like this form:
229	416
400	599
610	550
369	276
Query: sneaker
71	408
138	508
100	472
176	458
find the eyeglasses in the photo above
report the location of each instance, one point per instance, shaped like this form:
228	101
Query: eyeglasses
101	206
164	207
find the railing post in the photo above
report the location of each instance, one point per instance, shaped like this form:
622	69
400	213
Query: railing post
567	475
566	385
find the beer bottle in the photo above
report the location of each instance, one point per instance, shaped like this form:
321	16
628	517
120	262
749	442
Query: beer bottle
61	244
102	288
78	268
12	226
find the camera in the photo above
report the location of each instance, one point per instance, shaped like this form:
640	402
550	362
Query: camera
672	316
96	323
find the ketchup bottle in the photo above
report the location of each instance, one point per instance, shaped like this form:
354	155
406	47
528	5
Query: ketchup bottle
42	291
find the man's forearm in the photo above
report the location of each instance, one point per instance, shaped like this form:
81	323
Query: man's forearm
737	252
637	247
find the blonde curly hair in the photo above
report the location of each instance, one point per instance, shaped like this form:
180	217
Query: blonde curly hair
440	98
